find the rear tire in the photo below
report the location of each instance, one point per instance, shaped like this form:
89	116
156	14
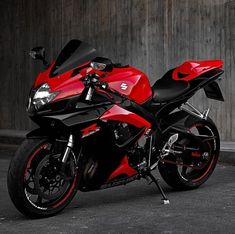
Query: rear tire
170	172
16	181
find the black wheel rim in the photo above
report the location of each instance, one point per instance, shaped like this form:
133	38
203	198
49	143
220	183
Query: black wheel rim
196	174
45	186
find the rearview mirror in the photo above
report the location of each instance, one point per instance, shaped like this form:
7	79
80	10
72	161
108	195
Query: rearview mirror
102	64
38	53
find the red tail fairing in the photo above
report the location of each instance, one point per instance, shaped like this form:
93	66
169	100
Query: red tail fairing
191	69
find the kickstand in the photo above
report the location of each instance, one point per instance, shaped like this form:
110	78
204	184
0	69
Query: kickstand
165	199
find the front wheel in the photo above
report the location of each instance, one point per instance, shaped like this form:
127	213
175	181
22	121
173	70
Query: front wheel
38	184
193	168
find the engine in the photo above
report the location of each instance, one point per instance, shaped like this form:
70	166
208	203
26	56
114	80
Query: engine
127	136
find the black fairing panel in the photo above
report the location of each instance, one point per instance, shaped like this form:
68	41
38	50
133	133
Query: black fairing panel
100	150
71	121
82	117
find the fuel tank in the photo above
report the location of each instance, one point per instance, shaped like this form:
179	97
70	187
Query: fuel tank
130	82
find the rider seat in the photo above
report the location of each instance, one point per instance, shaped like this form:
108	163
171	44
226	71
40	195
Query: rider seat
166	89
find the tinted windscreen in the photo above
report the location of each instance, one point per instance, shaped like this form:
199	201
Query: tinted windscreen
74	54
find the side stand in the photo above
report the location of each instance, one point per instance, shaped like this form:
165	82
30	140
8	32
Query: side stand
165	199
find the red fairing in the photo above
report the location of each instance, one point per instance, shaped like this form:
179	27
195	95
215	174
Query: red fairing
67	85
192	69
123	168
117	113
130	82
88	130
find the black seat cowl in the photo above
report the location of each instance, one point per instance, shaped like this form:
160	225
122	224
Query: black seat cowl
167	89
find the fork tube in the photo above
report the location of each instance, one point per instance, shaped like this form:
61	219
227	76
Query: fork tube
68	148
150	150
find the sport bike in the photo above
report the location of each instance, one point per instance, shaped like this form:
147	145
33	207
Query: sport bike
101	125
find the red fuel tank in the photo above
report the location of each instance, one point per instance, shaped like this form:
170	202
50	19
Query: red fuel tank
130	82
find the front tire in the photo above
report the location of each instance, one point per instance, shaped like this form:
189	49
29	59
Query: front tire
32	158
176	176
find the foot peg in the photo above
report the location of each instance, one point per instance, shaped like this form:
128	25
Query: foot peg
166	201
172	140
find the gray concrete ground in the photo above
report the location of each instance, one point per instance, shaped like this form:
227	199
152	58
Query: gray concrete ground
135	208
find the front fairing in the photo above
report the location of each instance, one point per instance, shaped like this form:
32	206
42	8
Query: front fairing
70	66
66	84
68	87
64	77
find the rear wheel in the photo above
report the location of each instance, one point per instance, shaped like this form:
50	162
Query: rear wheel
38	184
193	168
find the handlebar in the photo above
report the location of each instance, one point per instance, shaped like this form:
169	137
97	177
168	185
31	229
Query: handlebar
91	81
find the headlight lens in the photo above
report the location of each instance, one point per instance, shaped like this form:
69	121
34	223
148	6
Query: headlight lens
41	96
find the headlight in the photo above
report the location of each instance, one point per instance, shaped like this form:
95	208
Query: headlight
41	96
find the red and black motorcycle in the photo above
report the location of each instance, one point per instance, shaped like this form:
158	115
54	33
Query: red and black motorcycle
103	125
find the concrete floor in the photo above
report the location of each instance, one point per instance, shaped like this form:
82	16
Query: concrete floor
135	208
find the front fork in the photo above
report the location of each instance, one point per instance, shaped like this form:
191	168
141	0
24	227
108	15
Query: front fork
68	149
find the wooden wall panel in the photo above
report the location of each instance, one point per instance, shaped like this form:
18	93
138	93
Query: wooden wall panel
154	36
228	117
195	30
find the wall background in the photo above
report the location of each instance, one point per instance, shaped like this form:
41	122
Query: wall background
151	35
